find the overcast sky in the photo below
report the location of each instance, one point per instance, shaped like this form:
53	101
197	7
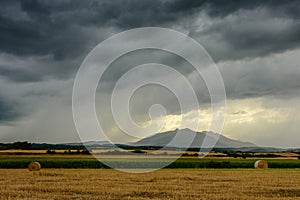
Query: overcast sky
255	44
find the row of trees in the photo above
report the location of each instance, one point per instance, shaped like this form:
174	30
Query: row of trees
69	151
17	145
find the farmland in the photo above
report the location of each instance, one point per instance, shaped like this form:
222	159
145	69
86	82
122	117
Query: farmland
225	184
139	162
84	177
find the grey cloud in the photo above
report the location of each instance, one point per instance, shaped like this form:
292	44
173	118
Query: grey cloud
19	75
276	75
35	68
51	26
47	40
8	112
54	28
65	31
18	101
239	112
246	34
153	93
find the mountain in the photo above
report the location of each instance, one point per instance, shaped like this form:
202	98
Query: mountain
186	135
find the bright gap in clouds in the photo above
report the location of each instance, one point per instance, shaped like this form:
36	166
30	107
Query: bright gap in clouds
262	121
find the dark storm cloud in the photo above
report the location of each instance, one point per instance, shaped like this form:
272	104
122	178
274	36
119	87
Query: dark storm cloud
19	75
8	112
249	34
54	27
51	38
18	100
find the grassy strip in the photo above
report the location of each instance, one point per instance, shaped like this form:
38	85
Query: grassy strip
143	163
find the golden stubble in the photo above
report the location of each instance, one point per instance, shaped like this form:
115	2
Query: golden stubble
162	184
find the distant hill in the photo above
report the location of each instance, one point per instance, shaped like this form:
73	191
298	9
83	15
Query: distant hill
186	135
159	140
89	143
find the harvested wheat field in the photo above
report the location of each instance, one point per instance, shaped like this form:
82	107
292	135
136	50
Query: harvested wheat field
163	184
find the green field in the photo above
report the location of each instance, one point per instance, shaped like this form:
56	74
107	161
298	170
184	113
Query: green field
69	162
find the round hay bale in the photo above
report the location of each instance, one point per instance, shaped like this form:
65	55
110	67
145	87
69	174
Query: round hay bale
260	164
34	166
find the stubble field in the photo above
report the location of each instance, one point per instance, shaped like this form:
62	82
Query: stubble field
225	184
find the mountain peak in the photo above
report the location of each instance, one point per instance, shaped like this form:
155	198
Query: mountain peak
204	139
